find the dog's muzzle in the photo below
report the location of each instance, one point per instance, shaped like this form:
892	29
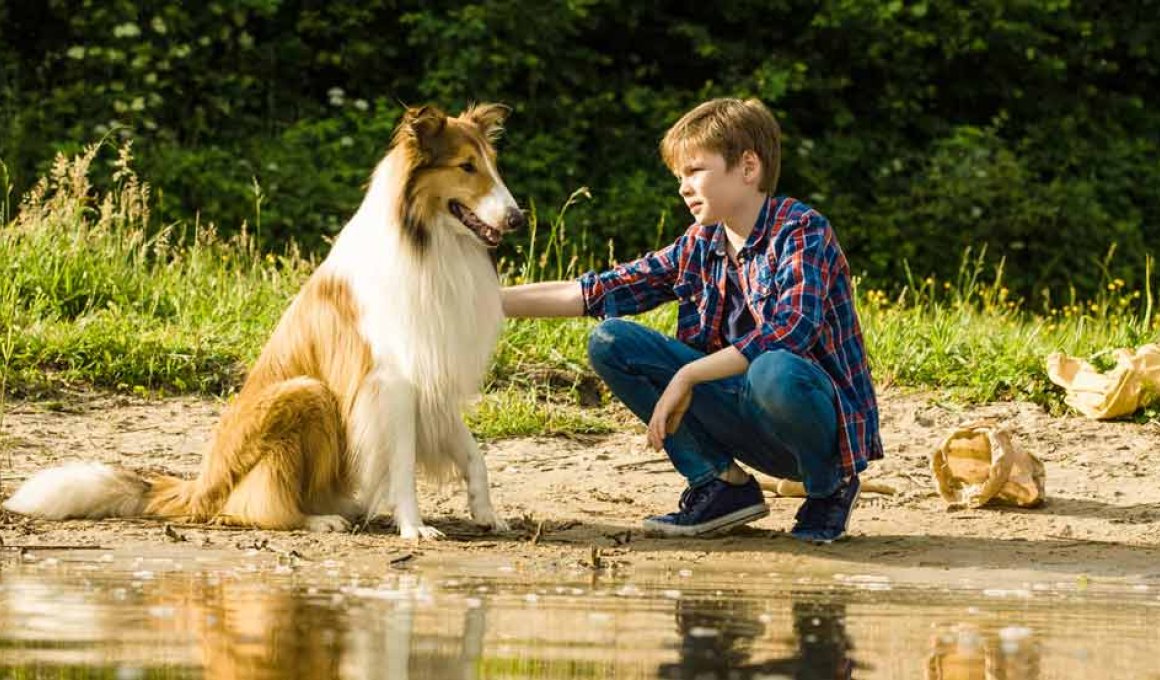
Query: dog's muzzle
488	234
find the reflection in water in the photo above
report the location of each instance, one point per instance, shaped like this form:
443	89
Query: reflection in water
966	652
248	631
326	620
718	634
226	626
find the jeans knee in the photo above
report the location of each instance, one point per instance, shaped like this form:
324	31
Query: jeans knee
603	341
780	381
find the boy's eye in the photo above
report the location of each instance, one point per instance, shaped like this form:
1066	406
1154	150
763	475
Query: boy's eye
467	167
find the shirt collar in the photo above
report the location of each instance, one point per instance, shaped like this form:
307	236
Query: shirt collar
761	229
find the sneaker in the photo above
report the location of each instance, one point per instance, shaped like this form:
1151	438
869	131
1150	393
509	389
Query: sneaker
713	506
824	520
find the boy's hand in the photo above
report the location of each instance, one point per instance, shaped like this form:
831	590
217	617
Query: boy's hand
670	408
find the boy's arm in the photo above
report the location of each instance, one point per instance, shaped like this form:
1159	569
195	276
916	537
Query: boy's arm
674	401
536	300
637	286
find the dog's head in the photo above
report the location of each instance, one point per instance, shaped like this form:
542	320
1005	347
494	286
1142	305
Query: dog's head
452	173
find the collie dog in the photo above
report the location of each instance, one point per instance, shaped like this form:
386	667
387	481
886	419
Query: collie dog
363	380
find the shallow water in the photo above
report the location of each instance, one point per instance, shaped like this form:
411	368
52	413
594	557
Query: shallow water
101	615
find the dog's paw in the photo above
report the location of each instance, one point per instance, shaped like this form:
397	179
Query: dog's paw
327	523
489	520
419	531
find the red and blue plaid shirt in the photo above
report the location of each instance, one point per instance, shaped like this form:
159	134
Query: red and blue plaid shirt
797	285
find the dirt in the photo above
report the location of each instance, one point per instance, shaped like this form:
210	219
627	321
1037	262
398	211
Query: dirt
577	503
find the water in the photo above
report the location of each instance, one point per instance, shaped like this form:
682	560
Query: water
219	616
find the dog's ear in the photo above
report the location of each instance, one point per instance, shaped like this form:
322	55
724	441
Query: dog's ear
419	126
489	118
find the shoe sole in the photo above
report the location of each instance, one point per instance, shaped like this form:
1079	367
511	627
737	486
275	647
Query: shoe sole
733	519
845	527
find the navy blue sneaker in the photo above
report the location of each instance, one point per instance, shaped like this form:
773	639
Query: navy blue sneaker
824	520
713	506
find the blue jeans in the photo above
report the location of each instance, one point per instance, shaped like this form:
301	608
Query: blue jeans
778	417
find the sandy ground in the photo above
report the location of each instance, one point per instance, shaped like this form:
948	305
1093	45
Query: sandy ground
573	502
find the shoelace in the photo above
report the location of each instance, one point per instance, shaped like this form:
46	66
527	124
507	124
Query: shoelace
693	497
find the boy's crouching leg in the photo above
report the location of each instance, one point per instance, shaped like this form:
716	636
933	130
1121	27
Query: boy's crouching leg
609	343
798	399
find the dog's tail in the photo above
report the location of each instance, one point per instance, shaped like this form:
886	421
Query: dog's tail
96	490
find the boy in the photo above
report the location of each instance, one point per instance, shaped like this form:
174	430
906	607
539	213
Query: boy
768	365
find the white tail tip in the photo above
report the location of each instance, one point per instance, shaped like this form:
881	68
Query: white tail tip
80	490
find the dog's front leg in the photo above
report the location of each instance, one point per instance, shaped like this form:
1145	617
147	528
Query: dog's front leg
469	460
385	451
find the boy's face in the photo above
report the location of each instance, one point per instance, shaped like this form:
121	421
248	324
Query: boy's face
713	192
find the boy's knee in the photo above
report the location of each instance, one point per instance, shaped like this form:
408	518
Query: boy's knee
602	340
779	380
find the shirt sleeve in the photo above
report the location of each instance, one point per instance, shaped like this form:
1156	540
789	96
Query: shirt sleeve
793	319
633	287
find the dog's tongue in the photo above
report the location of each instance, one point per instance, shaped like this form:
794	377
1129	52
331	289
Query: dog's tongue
487	233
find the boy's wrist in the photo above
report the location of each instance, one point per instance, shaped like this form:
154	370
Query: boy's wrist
686	376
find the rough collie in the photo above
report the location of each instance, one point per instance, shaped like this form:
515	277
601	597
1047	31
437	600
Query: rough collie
362	383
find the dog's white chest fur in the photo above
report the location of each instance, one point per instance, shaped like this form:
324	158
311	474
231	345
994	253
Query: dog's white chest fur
431	317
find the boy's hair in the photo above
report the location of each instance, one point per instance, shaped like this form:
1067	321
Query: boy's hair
729	127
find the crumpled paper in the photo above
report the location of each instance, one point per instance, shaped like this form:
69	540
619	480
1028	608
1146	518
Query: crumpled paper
1132	384
979	463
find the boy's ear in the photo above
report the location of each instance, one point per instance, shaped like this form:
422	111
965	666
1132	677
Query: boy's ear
750	166
489	118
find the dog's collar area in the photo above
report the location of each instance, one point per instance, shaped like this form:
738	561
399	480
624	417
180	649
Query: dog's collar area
486	233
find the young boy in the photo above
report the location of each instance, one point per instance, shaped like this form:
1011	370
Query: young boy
768	365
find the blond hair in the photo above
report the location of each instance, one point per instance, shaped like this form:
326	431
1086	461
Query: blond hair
729	127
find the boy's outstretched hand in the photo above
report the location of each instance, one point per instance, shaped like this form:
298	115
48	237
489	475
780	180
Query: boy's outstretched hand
670	408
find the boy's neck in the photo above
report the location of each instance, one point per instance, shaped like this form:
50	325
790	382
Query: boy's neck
741	224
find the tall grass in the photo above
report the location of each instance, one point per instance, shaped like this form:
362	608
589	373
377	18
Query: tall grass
971	339
93	293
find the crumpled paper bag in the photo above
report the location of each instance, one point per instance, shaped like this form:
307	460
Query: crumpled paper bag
979	463
1132	384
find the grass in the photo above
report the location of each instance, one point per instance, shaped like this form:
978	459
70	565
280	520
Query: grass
92	293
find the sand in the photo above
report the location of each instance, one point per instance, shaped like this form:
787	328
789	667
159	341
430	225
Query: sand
576	503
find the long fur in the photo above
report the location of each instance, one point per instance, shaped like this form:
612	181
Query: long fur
362	382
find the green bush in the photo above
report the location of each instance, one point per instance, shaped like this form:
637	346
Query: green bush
917	127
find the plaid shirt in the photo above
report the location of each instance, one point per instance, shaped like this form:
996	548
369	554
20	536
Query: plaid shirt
797	284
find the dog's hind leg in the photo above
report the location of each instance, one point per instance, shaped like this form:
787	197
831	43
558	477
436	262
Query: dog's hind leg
384	443
292	456
468	458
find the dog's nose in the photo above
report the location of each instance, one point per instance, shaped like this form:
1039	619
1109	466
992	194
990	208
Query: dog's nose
515	219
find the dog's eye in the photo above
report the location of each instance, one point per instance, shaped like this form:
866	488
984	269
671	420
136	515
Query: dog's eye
467	167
